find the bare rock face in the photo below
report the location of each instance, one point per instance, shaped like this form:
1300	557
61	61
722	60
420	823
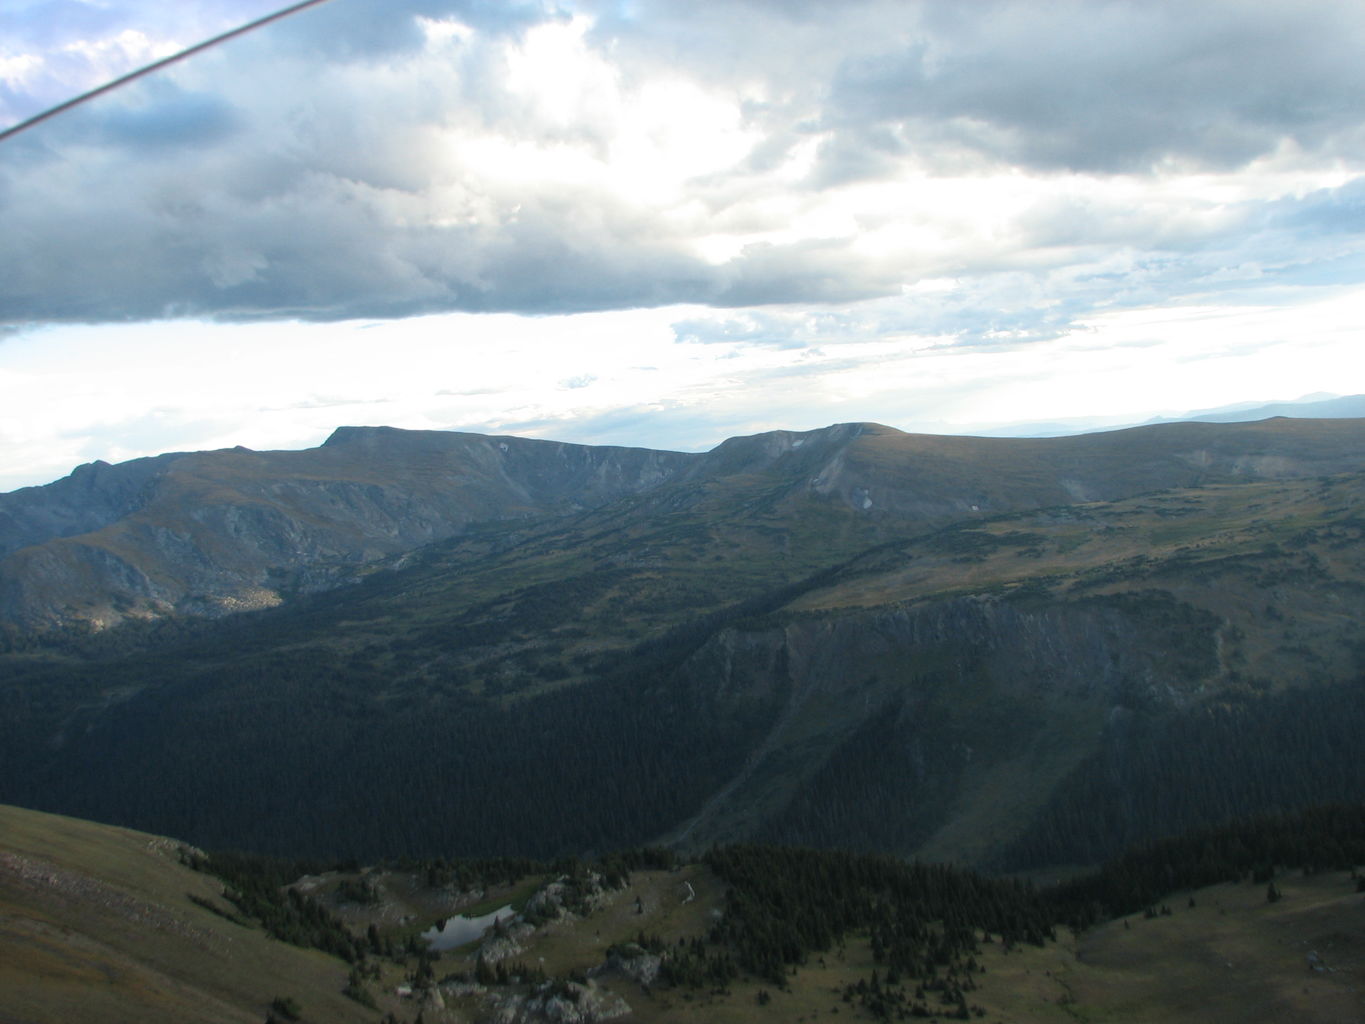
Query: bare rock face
568	898
505	941
558	1003
634	962
894	664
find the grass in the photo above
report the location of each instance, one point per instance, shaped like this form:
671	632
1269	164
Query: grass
1231	958
1076	541
514	896
97	924
578	945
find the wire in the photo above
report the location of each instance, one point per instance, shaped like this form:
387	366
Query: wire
156	66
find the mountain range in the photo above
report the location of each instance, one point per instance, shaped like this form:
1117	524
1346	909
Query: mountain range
1014	653
209	533
1316	406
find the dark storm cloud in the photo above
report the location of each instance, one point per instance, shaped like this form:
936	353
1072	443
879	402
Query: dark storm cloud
1108	86
328	168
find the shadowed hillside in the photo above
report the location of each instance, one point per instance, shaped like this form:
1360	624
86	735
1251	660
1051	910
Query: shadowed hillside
734	653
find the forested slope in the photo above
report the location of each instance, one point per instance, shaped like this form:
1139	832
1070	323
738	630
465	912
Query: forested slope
1036	687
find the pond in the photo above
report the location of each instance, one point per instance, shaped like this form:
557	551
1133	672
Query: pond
457	931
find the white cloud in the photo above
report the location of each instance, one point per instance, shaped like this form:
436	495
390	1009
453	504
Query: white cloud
903	211
436	159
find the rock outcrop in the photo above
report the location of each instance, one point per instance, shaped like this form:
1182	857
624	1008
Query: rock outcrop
557	1003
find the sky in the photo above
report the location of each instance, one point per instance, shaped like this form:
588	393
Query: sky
659	223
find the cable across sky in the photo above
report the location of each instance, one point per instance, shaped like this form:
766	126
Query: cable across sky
156	66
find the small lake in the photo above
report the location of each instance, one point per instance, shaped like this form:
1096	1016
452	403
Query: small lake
459	930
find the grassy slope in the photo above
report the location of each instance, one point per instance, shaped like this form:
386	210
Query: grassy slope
1231	958
96	924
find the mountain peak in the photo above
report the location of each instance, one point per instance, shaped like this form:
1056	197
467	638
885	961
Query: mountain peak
360	435
757	451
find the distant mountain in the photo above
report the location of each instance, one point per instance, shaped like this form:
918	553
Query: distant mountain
1315	408
1308	407
210	533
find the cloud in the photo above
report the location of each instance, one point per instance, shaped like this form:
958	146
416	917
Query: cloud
326	402
1331	211
171	118
53	50
368	160
1005	309
1107	87
755	328
118	439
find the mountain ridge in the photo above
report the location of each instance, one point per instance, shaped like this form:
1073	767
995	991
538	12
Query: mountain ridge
735	653
210	533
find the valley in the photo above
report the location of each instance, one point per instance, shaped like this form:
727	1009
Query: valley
753	667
